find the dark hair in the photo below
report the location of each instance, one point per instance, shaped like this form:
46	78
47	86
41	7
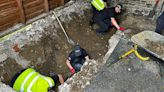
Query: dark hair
120	5
55	77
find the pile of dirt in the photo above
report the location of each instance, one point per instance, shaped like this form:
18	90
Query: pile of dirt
156	47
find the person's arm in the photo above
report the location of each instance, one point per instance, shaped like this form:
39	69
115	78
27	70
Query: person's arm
70	66
114	22
61	80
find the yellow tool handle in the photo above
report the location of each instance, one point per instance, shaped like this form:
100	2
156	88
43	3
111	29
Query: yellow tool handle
138	55
127	53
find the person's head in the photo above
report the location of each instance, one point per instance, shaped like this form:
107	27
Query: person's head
78	50
55	77
118	8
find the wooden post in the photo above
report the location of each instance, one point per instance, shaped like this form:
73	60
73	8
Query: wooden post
22	14
46	5
62	2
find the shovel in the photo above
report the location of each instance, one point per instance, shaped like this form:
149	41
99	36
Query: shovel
70	41
152	12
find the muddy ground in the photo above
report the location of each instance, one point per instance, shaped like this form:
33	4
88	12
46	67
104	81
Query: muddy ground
53	49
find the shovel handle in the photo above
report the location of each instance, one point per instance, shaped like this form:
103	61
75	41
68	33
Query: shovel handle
61	26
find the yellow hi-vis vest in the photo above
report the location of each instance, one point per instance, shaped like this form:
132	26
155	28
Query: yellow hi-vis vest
98	4
32	81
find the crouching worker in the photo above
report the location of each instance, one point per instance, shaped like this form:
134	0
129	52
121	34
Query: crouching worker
29	80
76	59
106	19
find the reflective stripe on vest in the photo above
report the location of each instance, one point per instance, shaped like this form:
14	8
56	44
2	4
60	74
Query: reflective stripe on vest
26	79
98	4
31	84
49	81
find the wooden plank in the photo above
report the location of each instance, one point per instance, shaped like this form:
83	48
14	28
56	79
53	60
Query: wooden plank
5	1
9	18
8	12
34	9
11	5
46	5
9	24
53	4
62	2
33	4
22	15
28	1
35	14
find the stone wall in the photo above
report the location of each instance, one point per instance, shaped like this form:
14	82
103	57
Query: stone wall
141	7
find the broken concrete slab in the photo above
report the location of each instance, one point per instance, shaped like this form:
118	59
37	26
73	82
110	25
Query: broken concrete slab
5	88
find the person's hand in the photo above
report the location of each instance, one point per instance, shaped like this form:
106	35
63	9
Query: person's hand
72	70
121	29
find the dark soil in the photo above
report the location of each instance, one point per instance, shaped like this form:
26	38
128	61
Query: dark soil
53	50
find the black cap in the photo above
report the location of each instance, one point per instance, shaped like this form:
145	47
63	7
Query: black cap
78	50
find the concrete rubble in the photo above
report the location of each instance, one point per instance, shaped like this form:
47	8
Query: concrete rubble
5	88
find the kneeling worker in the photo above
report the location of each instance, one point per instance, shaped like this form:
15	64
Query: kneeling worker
76	59
31	81
106	19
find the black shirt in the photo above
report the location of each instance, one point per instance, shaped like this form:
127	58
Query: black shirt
74	59
108	13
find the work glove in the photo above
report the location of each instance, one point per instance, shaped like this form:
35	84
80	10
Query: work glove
121	29
72	70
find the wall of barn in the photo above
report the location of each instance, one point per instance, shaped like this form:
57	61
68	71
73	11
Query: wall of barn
19	11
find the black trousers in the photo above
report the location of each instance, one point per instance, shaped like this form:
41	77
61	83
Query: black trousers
160	24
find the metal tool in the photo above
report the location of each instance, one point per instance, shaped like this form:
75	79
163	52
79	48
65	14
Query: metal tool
134	49
66	35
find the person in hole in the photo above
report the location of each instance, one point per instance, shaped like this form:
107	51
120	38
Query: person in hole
76	59
28	80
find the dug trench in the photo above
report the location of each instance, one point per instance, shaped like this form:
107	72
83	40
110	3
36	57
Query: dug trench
50	53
